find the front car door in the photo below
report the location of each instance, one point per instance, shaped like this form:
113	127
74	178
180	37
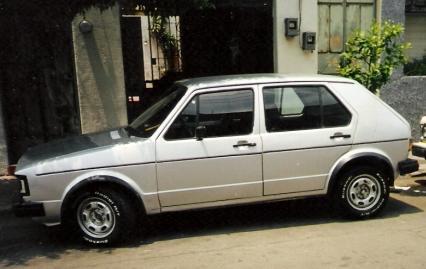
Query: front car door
305	128
226	164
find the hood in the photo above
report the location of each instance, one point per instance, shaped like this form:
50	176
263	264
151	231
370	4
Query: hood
70	145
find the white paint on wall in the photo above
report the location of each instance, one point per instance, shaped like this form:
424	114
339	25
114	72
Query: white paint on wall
289	57
415	33
378	13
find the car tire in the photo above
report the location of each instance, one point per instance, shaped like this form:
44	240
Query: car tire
102	216
362	192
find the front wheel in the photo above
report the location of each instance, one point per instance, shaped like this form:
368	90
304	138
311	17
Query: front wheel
362	192
102	216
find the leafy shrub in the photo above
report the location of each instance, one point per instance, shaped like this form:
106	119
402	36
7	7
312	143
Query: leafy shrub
371	56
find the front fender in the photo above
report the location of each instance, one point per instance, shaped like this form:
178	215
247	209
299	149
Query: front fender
149	200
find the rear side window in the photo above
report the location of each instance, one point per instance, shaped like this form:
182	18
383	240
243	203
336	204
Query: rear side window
222	113
334	113
302	108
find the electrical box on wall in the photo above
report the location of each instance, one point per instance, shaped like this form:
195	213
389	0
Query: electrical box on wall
291	27
308	41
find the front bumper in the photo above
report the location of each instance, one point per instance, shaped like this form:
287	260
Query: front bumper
28	209
22	208
408	166
419	150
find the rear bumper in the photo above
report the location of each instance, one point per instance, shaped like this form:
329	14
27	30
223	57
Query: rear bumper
408	166
28	209
419	150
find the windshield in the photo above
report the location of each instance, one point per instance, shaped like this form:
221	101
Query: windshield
146	124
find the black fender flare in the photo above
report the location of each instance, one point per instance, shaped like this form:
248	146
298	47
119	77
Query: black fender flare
364	158
104	180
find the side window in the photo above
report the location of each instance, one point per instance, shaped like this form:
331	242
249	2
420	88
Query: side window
302	108
334	113
184	125
298	109
222	113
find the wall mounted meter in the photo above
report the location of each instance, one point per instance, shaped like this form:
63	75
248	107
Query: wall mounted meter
308	41
291	27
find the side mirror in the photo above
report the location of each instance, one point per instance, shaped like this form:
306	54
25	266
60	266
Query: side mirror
200	132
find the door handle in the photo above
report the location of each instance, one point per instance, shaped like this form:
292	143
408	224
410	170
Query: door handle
338	135
244	143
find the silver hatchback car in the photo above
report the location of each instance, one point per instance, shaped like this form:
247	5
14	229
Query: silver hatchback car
220	141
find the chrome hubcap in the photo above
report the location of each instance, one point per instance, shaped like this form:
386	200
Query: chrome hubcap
363	192
95	217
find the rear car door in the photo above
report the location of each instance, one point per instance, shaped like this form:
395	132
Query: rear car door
226	164
305	128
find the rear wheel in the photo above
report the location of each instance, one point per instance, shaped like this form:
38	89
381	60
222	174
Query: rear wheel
362	192
102	216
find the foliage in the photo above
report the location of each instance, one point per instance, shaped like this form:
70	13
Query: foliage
160	10
417	67
371	56
167	40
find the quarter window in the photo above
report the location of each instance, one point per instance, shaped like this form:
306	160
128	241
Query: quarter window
302	108
222	113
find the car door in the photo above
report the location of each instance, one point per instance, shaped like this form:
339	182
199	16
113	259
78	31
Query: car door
305	128
226	163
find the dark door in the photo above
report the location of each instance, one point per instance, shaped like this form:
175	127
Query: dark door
233	38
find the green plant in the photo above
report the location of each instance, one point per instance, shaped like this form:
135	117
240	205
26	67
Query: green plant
161	10
167	41
371	56
417	67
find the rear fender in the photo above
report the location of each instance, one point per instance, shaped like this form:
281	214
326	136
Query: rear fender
373	158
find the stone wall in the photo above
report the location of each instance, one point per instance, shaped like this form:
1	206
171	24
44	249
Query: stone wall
393	10
99	70
407	95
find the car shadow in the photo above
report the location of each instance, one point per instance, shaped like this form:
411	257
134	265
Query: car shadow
248	218
21	240
419	174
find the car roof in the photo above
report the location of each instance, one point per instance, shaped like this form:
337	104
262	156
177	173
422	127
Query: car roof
228	80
